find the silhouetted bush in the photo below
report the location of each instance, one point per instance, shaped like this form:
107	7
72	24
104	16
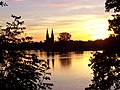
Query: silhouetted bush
106	64
106	71
19	70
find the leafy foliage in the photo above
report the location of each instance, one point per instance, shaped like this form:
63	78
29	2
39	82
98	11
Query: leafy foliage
106	71
112	4
114	24
12	30
65	36
106	64
3	4
19	70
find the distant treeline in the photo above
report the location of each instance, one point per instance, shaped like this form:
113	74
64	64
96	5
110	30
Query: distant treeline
60	46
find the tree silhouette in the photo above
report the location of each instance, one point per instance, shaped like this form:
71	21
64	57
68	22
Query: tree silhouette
64	36
106	64
29	38
12	30
114	24
19	70
3	4
112	4
106	71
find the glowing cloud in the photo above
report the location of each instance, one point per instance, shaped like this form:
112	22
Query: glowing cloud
83	19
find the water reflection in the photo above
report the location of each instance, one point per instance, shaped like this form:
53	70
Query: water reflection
65	60
53	62
50	56
70	70
79	52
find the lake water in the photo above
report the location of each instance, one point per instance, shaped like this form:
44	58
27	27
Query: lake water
69	71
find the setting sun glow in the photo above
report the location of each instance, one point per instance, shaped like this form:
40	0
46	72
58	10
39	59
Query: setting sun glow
83	19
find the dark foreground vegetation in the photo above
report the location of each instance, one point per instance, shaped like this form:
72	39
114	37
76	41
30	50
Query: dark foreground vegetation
106	64
22	71
19	70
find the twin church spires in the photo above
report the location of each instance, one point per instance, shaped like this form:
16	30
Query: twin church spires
49	42
50	39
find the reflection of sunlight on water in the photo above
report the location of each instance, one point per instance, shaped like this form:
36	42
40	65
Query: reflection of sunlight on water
69	71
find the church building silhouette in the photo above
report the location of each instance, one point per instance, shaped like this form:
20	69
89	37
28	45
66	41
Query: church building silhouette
49	41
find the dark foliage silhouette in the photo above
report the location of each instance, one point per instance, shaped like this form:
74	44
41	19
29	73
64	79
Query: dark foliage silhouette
112	4
106	64
106	71
64	36
19	70
3	4
114	24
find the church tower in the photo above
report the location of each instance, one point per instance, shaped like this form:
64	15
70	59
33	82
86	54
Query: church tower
49	42
52	36
47	35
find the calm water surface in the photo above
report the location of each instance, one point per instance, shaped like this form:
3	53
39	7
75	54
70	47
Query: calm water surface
70	71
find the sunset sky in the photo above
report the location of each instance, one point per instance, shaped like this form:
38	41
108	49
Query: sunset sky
83	19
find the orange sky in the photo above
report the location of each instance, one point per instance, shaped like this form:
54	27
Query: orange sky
83	19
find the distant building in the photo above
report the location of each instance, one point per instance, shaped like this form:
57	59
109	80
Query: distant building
49	42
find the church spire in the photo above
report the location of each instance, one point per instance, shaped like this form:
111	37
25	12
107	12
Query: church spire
47	35
52	36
